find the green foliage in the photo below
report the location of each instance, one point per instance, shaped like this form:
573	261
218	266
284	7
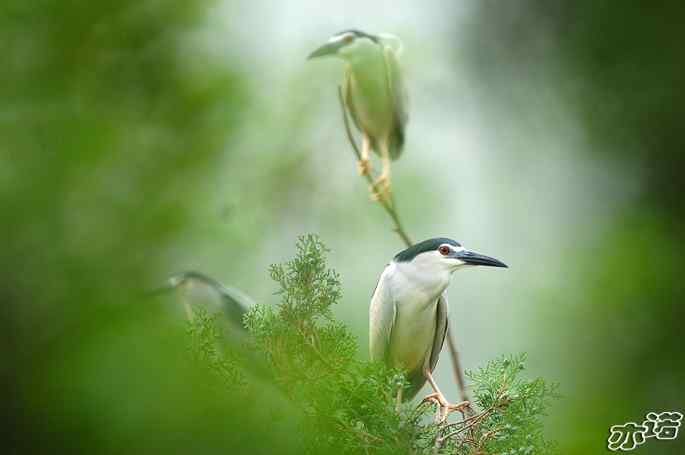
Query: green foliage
308	288
348	405
208	348
111	122
512	408
300	336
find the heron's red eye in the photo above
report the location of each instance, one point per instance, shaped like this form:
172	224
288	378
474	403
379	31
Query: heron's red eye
444	250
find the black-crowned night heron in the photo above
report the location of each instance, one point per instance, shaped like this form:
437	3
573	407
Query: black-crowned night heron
408	312
195	289
373	93
198	289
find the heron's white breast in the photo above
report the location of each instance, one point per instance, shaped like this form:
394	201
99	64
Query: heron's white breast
416	297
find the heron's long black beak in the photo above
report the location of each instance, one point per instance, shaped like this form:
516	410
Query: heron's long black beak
473	258
326	49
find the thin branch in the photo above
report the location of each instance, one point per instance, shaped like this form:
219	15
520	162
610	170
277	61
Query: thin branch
399	230
315	350
468	419
453	430
468	424
458	431
456	366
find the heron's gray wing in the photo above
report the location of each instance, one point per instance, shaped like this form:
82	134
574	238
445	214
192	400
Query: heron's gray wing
196	288
382	314
236	304
399	98
441	322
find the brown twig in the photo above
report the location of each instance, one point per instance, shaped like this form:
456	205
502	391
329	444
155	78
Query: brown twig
468	424
315	350
456	366
399	230
476	420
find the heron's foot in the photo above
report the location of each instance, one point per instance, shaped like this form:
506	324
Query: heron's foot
364	166
380	189
444	407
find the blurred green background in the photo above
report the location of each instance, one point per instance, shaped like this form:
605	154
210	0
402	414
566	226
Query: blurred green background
138	139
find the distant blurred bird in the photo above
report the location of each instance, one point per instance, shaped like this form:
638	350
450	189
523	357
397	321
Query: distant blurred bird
408	312
195	289
373	93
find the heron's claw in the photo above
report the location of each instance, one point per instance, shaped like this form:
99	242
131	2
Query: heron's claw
444	406
380	189
364	166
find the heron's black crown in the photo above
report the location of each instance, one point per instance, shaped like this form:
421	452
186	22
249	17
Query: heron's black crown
193	275
359	34
427	245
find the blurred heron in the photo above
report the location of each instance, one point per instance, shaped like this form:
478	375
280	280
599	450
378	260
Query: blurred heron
373	93
408	312
198	289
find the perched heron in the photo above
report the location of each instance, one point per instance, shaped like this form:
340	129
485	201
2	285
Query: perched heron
408	312
195	289
373	93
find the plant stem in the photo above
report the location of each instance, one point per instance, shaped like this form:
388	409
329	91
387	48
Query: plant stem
389	207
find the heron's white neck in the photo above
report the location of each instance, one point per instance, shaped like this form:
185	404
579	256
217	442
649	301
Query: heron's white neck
424	278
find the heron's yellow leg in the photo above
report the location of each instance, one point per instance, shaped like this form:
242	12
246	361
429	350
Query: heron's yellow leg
444	406
364	165
381	186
